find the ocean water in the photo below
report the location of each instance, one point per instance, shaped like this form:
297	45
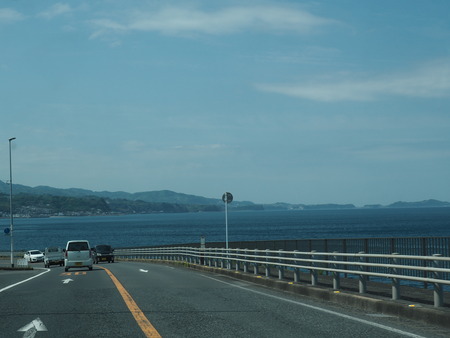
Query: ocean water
162	229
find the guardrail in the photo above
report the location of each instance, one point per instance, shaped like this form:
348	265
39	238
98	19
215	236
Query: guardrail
394	267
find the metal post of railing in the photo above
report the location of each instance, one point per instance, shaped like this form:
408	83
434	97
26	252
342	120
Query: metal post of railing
238	263
245	261
423	244
438	292
256	265
215	257
313	271
205	260
362	278
221	257
228	260
194	258
336	277
280	267
395	281
296	270
267	264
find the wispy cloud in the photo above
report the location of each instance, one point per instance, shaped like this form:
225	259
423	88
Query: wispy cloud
429	81
400	152
8	15
186	21
55	10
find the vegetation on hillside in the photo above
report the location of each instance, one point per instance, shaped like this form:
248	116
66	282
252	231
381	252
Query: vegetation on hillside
50	205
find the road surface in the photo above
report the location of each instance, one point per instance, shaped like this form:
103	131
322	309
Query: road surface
133	299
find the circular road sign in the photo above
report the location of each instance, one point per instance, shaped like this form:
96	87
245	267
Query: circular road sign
7	230
227	197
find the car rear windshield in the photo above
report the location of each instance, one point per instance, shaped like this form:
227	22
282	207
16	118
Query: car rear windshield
103	248
78	246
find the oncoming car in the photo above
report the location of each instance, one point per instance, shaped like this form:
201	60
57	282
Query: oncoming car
78	255
34	256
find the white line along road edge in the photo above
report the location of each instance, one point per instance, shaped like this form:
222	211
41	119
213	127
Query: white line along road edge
25	280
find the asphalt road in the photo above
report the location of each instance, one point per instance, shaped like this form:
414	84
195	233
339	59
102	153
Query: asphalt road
132	299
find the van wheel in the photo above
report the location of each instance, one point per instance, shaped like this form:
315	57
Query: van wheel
90	268
66	269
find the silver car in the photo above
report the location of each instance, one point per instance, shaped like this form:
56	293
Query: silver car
78	255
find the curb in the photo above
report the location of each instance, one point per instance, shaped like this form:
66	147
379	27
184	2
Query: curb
14	269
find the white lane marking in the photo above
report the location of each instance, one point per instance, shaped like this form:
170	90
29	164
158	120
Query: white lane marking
31	328
66	281
363	321
25	280
142	270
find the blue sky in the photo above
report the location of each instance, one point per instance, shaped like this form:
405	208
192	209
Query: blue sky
275	101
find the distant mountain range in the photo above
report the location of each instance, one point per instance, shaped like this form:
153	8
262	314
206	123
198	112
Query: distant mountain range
171	197
162	196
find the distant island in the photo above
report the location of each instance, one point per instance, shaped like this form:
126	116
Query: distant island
44	201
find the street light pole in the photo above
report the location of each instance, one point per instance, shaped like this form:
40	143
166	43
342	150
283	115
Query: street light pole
10	204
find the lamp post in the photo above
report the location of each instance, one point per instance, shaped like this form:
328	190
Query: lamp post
10	204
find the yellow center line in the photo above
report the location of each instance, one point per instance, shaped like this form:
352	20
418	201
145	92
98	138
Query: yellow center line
145	325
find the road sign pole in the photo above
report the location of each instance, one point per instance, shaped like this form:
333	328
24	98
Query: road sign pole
226	225
10	204
227	198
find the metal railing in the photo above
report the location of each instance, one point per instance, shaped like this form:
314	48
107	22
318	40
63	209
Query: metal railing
431	270
419	246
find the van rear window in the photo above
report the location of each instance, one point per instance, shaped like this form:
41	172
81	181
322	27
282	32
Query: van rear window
78	246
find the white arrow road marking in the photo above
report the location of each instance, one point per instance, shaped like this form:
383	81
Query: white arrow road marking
30	333
68	280
142	270
31	328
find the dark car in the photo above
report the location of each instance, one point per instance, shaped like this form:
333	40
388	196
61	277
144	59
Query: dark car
104	253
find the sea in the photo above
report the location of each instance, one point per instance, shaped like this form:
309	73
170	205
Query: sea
142	230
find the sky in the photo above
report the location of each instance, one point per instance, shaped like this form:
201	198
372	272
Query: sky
306	102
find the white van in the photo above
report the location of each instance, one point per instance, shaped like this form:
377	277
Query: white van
78	255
